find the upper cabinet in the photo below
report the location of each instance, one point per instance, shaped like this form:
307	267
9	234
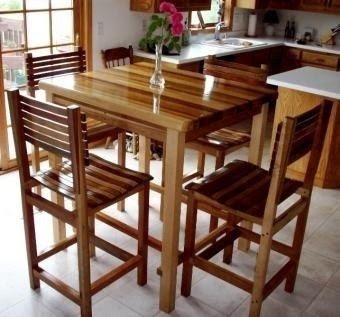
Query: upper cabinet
181	5
283	4
252	4
331	6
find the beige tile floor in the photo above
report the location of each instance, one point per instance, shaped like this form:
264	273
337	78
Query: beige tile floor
317	291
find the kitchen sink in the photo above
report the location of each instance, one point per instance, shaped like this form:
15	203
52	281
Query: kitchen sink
233	43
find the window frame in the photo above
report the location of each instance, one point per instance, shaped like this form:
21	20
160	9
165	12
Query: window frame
227	18
82	22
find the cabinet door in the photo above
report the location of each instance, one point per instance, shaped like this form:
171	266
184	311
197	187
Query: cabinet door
290	59
143	5
196	5
252	4
181	5
313	5
334	5
282	4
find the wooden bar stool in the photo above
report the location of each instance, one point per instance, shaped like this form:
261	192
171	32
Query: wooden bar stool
244	191
46	66
114	57
90	182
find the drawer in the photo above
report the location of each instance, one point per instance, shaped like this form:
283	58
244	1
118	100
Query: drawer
327	60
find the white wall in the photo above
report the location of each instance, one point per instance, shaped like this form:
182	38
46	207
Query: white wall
321	23
115	25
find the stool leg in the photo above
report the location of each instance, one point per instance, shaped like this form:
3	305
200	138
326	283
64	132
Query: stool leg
299	234
107	142
83	245
200	163
220	155
31	244
143	230
121	161
189	245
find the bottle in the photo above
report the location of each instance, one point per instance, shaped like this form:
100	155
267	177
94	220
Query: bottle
292	31
186	34
287	31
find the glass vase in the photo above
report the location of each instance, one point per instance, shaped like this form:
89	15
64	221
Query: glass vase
157	79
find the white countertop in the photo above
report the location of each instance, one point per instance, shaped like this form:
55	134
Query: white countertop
196	52
313	80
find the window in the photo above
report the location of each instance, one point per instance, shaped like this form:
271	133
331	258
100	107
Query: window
41	27
220	10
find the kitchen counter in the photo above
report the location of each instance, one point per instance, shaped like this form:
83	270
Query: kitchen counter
197	52
308	79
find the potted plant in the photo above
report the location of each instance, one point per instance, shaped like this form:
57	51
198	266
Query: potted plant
270	18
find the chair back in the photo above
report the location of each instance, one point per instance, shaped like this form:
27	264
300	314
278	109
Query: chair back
234	71
46	66
117	56
298	136
57	129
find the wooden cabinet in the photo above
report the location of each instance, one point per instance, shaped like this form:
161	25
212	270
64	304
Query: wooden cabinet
196	5
290	59
294	57
252	4
181	5
282	4
330	6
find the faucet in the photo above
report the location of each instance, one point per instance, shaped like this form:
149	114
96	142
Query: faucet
218	28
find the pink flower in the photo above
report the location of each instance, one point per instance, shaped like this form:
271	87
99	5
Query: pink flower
176	17
177	29
167	7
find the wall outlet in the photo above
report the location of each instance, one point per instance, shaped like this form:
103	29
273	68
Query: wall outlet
144	25
100	28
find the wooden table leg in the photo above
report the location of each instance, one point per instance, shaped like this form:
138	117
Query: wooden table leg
171	219
59	227
144	154
258	131
121	161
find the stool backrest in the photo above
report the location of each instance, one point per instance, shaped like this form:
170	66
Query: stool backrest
57	129
235	71
298	136
117	56
51	65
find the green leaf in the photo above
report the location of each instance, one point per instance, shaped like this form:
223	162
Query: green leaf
178	47
142	43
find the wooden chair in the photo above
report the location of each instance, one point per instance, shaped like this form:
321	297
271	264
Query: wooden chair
41	67
113	57
244	191
89	181
117	56
227	140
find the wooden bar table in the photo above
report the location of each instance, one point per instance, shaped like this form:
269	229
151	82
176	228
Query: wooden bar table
189	106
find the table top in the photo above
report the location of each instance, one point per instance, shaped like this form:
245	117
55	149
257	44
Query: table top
188	101
313	80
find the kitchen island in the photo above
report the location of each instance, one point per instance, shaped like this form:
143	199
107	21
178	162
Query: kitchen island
300	90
